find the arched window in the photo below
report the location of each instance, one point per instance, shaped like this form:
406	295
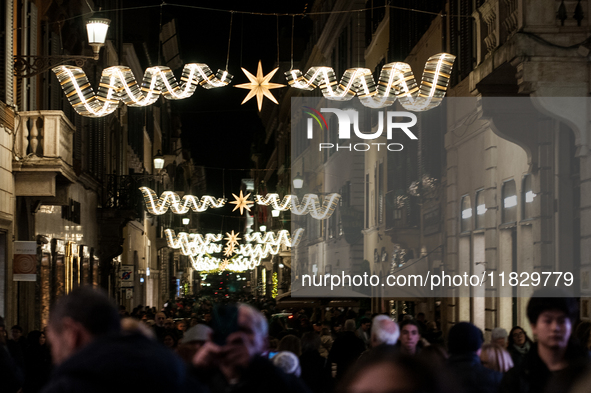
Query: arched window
480	209
466	214
509	202
527	197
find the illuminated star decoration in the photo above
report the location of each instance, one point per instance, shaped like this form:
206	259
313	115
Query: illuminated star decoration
232	240
224	264
259	86
241	202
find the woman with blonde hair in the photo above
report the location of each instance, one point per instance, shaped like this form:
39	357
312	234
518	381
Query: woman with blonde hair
496	358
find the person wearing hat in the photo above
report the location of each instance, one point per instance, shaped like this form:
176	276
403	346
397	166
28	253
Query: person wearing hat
464	344
193	339
498	336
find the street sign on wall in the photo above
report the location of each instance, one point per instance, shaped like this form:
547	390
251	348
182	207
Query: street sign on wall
126	276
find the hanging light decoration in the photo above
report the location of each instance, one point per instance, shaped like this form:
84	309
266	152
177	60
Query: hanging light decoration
158	206
396	81
118	83
310	204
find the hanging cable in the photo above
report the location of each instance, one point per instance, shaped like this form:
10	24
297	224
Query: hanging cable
292	30
229	39
277	20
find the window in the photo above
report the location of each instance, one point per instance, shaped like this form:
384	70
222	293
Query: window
527	198
466	212
480	209
509	202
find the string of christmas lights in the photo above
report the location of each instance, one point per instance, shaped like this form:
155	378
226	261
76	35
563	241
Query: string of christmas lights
118	83
170	199
396	81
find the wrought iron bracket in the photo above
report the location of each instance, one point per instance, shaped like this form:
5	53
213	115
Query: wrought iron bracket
30	66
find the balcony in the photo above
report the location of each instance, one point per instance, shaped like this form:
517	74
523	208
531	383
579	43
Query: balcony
42	152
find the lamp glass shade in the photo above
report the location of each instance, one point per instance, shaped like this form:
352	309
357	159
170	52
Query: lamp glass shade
263	228
275	213
158	160
97	30
298	182
186	220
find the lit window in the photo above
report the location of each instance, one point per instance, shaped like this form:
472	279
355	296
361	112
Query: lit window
510	201
509	198
466	208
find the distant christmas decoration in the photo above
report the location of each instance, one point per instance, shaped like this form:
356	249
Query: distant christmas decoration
396	81
118	83
260	85
259	246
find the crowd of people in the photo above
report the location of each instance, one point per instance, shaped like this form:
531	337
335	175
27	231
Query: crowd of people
248	345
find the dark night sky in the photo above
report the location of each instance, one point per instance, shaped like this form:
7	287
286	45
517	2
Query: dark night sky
216	127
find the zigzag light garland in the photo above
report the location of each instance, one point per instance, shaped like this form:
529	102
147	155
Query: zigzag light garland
158	206
396	81
119	84
310	204
248	256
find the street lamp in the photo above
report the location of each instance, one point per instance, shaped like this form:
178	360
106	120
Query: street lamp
97	34
263	228
275	213
186	220
27	66
298	182
158	160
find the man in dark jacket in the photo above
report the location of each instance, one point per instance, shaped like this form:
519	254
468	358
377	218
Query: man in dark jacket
465	341
554	362
346	349
238	366
92	355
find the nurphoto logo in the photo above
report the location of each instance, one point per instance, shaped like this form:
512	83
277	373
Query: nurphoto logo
350	117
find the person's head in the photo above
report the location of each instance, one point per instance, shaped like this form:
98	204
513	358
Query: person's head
518	336
287	362
384	331
170	340
159	320
409	336
496	358
365	324
317	327
131	325
499	336
349	325
181	325
310	342
17	332
290	343
551	314
195	337
207	317
387	371
254	325
42	339
77	319
34	338
168	323
463	337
